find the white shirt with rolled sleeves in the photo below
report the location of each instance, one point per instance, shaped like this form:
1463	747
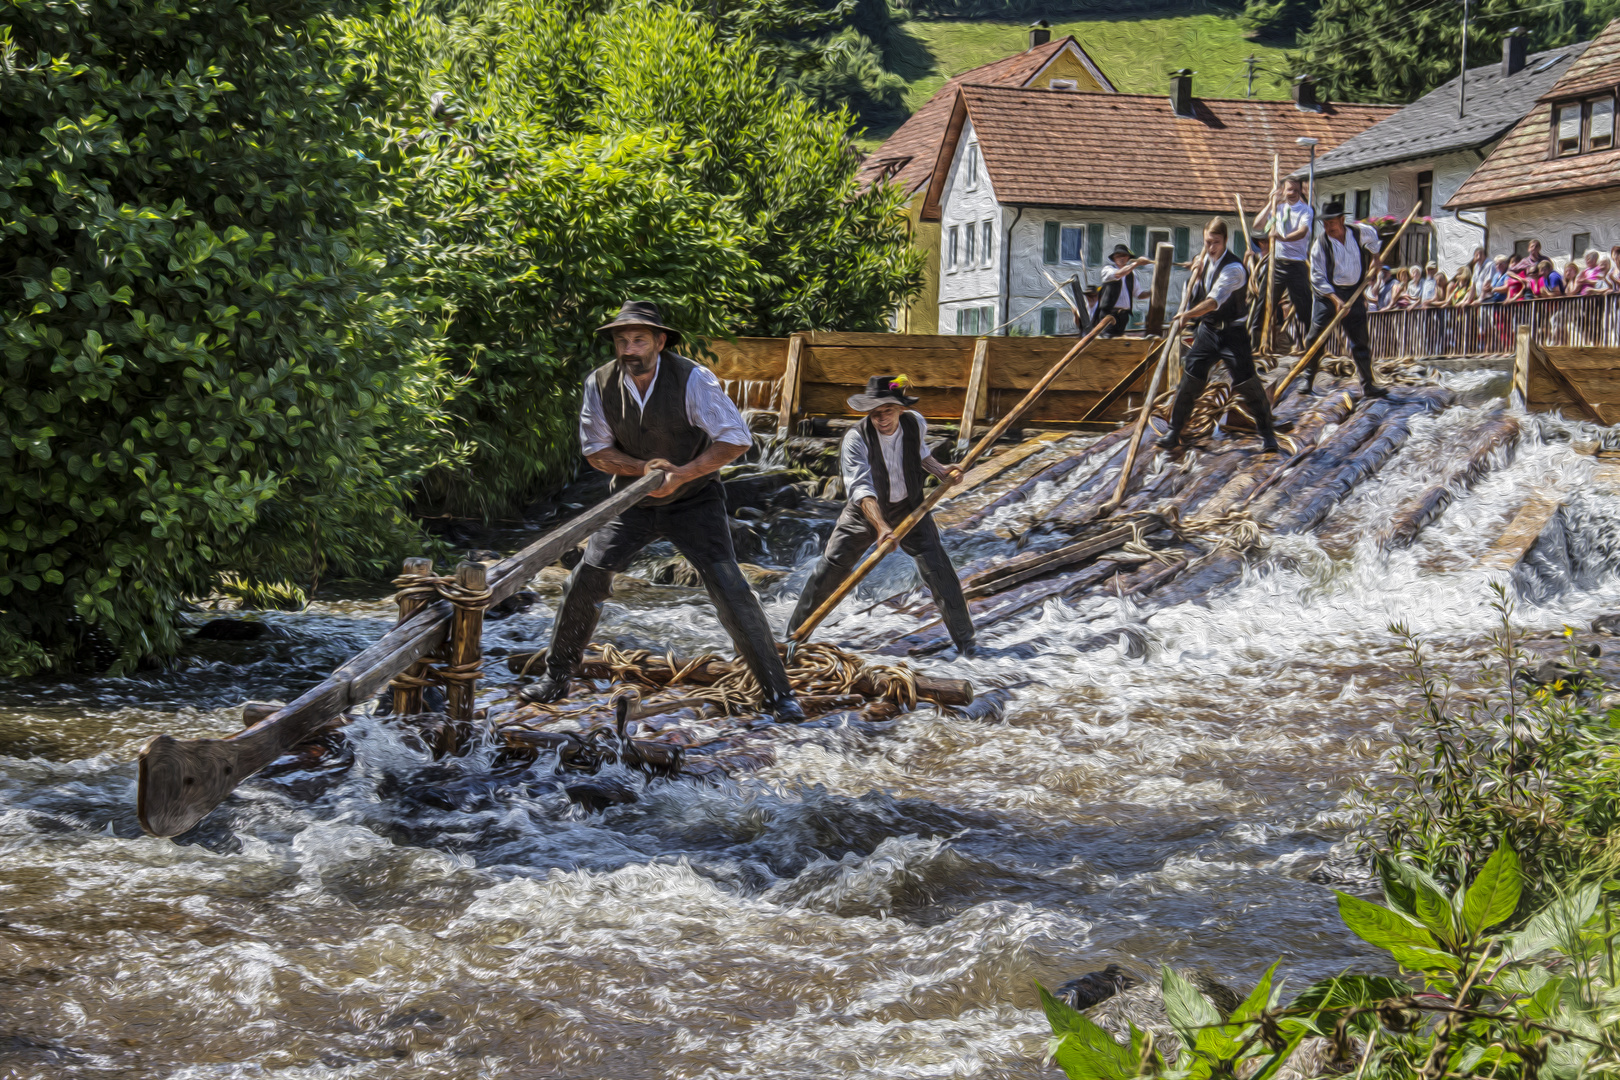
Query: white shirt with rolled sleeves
1290	216
1127	290
1219	286
1346	269
707	407
857	467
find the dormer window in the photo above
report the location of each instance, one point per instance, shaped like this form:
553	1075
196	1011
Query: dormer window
1063	84
1583	127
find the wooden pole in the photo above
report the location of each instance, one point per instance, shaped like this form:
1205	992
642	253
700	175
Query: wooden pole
1521	367
408	699
789	396
181	780
892	541
976	403
1268	344
1321	342
1243	223
466	648
1159	293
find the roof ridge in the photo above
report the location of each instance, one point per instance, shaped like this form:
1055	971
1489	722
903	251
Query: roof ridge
1121	94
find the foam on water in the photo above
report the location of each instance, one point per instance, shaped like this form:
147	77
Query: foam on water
869	906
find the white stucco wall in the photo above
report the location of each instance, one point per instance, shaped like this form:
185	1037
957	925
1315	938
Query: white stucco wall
1555	222
1394	190
975	285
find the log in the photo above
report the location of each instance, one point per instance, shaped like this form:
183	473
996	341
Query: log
1027	567
180	781
407	699
466	647
1498	437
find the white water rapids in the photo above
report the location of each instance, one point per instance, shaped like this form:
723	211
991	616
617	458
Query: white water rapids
868	907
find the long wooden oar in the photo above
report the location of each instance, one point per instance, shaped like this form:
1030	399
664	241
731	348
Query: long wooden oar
182	780
1344	309
802	632
1266	344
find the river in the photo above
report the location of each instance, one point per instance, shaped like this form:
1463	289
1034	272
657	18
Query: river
867	907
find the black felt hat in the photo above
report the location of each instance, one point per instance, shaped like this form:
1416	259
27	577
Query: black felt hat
1121	249
640	313
1332	209
882	390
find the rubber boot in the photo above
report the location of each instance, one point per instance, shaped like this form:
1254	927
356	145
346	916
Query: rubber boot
588	588
738	610
1369	386
822	583
1253	393
1186	397
1308	385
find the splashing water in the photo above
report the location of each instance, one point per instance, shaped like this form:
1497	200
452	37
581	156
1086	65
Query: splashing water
873	905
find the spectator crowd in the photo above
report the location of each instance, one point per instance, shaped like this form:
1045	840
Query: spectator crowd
1494	281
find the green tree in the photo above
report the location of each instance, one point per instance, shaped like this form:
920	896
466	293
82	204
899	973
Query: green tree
205	367
1392	51
555	160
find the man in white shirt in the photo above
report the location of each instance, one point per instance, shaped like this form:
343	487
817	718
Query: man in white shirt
1294	220
651	409
1219	306
1119	289
884	459
1339	264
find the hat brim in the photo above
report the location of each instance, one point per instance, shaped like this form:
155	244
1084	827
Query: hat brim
673	335
865	403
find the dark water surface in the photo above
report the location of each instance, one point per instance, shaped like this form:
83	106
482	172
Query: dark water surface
870	906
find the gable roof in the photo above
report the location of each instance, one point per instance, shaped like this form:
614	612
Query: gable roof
1061	149
1493	104
1519	167
907	157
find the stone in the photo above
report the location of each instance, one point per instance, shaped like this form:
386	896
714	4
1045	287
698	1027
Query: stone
232	630
1095	987
515	604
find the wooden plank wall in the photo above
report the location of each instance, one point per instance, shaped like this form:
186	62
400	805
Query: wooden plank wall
1582	382
835	365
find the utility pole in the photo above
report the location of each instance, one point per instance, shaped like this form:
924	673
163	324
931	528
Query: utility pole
1251	61
1462	75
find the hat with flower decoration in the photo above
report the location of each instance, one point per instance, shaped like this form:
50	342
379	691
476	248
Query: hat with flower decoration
882	390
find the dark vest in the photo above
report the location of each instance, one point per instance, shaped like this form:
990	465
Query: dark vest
1234	307
1113	290
910	457
662	431
1351	235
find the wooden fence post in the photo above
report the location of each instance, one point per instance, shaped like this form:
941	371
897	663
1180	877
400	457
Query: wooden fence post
466	647
408	699
977	401
1159	291
790	385
1521	368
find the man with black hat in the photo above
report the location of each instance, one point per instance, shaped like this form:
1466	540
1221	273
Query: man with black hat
883	460
652	409
1338	267
1219	307
1119	289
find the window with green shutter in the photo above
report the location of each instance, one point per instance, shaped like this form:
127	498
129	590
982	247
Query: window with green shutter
987	320
1094	251
1139	239
1049	253
1048	321
1183	243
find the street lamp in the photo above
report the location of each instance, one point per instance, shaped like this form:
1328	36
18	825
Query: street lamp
1310	143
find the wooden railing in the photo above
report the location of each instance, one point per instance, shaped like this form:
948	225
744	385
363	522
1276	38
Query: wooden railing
1490	329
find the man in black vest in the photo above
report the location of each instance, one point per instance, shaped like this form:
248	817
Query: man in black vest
652	409
1338	268
1219	306
884	459
1119	289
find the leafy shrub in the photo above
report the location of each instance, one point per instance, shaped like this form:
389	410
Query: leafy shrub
206	367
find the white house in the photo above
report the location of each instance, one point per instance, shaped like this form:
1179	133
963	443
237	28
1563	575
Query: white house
1055	180
1556	176
1423	153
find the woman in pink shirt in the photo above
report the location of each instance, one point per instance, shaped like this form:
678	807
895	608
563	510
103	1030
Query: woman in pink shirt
1590	280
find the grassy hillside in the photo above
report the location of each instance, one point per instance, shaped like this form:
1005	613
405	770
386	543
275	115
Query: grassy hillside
1135	53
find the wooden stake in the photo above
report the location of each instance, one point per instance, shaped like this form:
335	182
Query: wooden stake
408	699
789	403
977	401
1521	367
466	647
1321	342
892	541
1159	292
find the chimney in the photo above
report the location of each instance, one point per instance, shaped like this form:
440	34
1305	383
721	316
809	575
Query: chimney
1513	51
1304	94
1181	99
1040	32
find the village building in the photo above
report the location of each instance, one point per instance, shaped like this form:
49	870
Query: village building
1423	153
908	157
1034	187
1556	176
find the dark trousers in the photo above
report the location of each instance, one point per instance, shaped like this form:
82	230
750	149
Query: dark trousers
1354	327
1121	319
1230	345
850	538
1293	280
699	529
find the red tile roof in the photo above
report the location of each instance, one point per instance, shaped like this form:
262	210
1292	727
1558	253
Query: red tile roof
908	155
1056	148
1521	167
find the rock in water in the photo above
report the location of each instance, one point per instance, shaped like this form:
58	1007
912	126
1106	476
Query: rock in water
1606	624
231	630
596	793
515	604
1095	987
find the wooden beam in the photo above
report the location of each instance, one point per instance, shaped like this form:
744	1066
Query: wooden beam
1120	388
1159	292
1565	383
1018	570
790	385
1521	366
978	394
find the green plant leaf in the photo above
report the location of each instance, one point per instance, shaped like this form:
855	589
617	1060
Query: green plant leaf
1554	924
1380	926
1342	993
1082	1049
1188	1010
1494	895
1259	999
